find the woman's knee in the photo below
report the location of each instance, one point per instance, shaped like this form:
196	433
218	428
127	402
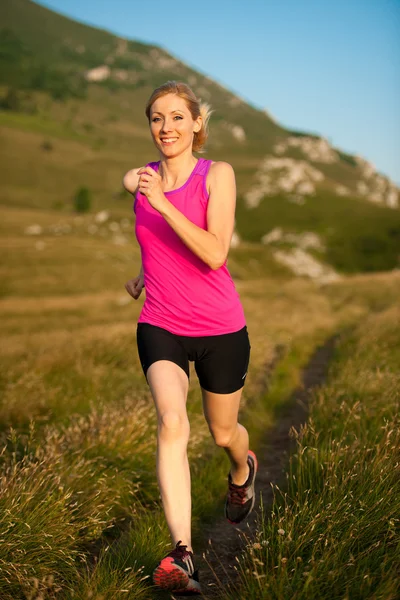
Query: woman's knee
223	437
173	424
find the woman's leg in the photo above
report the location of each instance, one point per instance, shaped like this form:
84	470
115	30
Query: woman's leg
169	386
221	413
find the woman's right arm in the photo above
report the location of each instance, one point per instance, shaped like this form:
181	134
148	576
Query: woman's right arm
131	180
133	286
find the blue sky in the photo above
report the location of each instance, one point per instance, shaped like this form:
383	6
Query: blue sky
327	67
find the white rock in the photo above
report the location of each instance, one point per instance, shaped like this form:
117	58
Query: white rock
60	228
235	241
316	149
307	239
102	216
303	264
92	228
119	240
376	187
274	235
305	187
277	175
114	226
367	168
40	245
392	198
342	190
33	230
98	73
238	133
123	300
362	188
376	197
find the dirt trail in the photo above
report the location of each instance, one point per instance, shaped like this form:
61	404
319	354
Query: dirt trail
226	541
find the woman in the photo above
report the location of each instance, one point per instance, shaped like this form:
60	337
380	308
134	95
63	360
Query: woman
185	214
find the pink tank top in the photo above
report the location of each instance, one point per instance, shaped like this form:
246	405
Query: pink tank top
183	294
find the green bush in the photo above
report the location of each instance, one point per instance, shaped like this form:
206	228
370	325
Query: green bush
82	200
11	101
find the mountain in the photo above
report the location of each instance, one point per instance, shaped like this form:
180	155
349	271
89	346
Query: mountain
72	103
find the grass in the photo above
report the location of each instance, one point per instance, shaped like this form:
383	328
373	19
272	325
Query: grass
80	512
333	531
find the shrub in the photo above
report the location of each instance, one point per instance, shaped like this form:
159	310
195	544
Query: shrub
47	146
11	101
82	200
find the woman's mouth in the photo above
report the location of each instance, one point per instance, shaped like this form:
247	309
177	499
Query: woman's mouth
168	141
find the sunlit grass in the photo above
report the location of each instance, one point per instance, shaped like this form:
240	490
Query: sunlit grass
81	514
334	529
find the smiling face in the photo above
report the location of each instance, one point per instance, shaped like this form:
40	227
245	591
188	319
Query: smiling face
172	126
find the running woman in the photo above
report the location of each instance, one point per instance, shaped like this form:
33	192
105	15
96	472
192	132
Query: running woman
185	215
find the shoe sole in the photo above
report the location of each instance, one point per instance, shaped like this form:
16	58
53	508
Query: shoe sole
170	576
192	589
253	456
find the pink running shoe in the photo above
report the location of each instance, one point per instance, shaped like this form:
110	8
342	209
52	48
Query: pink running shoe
177	573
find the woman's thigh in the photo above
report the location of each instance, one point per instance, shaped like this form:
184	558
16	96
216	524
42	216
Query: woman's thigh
166	367
221	413
222	361
155	343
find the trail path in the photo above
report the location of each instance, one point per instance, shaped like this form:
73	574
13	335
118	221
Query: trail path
224	541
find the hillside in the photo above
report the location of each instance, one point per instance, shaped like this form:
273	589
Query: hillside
72	113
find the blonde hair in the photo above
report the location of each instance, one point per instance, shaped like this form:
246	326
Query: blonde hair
195	106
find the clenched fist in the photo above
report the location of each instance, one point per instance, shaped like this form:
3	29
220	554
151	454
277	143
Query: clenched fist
134	286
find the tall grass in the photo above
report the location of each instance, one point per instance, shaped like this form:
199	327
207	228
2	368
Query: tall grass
334	531
80	511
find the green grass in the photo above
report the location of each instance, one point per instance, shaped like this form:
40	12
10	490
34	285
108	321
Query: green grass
78	435
358	236
333	530
96	471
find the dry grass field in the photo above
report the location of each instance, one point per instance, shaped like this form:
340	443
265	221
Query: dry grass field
80	513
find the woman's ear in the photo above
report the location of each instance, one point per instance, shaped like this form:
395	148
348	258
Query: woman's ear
198	124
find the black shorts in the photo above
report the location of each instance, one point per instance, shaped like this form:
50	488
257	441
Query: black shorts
221	361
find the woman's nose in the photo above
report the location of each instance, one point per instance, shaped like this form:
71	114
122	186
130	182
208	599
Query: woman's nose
167	126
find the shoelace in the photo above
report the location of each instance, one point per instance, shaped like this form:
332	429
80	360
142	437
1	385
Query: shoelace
237	495
179	550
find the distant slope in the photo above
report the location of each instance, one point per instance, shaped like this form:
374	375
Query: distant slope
72	100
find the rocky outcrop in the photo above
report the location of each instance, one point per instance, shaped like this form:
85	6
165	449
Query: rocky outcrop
304	240
283	175
100	73
315	149
376	187
302	263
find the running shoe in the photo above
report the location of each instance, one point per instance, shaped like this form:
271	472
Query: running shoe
177	573
240	499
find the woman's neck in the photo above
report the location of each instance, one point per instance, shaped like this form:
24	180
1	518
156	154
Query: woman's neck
176	169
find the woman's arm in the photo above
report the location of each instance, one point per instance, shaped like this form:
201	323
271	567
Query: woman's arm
210	245
133	286
131	180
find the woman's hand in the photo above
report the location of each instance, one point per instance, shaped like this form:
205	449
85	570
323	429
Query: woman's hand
150	186
134	286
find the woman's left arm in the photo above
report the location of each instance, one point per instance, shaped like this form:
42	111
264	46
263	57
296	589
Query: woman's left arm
211	245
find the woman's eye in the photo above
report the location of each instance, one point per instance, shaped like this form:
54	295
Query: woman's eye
178	117
155	119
